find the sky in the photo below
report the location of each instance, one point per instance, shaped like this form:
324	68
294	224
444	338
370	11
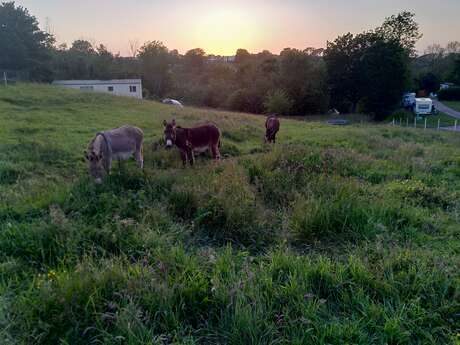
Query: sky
221	27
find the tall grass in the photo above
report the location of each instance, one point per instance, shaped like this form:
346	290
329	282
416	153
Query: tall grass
331	236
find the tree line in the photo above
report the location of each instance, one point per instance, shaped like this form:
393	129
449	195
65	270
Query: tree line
365	72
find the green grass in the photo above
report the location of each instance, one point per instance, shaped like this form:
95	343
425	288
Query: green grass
453	104
335	235
405	118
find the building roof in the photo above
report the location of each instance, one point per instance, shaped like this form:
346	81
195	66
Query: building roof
97	82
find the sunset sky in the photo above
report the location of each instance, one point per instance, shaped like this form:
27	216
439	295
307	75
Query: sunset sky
220	27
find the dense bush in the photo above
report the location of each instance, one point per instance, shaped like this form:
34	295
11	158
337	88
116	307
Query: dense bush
278	102
238	100
340	215
450	94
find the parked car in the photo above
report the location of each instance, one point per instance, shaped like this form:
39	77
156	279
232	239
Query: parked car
408	101
172	102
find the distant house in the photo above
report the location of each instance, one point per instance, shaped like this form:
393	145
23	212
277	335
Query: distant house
220	59
117	87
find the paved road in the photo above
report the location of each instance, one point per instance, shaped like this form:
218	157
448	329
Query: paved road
445	109
451	128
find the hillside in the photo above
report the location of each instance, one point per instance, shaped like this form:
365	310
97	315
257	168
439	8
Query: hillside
335	235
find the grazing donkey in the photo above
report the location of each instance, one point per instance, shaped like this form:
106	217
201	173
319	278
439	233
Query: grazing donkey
192	140
272	126
115	144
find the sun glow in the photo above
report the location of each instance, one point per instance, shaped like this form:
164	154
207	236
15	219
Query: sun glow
224	31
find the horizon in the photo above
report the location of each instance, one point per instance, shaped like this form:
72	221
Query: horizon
220	28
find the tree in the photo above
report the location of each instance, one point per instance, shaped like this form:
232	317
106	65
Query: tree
194	60
79	60
133	47
429	82
403	29
103	63
342	58
372	68
384	71
302	76
453	47
23	45
278	102
456	71
82	47
155	59
242	56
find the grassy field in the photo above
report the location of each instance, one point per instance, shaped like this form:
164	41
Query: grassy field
452	104
335	235
404	118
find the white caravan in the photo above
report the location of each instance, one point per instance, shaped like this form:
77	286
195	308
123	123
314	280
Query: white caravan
423	106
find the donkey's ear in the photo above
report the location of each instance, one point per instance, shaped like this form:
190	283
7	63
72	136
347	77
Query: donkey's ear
164	123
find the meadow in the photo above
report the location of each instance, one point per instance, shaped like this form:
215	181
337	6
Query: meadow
335	235
453	104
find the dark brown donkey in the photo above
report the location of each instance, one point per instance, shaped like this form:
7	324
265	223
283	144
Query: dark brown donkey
272	126
192	140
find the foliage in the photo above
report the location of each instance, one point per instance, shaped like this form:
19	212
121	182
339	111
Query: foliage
155	60
342	58
365	72
278	102
302	74
456	70
430	83
24	46
402	29
450	94
384	71
372	68
438	61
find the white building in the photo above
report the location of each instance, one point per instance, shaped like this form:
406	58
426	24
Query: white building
219	58
118	87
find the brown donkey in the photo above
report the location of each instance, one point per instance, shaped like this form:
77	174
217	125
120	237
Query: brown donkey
272	126
192	140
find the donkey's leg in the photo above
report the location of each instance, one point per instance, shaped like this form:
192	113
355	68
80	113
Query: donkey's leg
215	151
183	156
191	156
139	155
108	165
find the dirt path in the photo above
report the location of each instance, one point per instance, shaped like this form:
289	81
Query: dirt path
446	110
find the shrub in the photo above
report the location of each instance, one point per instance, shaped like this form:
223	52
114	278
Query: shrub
229	150
278	102
418	193
227	209
249	100
9	174
238	100
183	204
450	94
342	215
